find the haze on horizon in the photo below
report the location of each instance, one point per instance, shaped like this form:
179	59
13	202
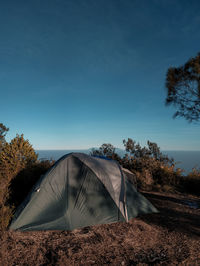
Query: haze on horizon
76	74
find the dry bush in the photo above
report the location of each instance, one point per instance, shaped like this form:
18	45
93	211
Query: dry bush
155	175
6	211
144	180
166	175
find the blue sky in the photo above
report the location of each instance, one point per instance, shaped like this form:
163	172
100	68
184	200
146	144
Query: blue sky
76	74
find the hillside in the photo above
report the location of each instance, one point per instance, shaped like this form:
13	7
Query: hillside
169	237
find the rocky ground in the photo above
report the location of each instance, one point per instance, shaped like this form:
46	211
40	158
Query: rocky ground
169	237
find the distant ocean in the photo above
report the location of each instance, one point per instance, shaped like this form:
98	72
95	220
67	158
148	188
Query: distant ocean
185	160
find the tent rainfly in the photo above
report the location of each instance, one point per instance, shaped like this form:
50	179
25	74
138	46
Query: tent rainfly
80	190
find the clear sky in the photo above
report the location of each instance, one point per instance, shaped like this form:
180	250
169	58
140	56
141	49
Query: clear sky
79	73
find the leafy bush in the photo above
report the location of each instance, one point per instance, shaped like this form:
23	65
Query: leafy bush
3	131
142	155
14	188
23	182
166	175
17	154
14	157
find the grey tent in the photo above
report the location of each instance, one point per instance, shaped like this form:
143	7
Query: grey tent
80	190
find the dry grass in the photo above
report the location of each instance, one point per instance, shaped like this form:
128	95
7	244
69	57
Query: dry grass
170	237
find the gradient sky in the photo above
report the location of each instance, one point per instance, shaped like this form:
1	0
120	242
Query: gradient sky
79	73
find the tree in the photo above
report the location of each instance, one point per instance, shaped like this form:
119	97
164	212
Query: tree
17	154
129	145
14	157
107	150
154	152
135	149
3	132
183	89
145	153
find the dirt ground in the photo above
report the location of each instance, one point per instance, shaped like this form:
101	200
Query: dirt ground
170	237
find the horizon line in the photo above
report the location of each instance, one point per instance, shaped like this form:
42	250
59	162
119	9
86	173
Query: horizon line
97	148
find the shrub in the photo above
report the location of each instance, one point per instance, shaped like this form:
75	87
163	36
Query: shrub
14	157
14	188
166	175
6	214
191	182
151	167
5	209
17	154
3	132
23	182
144	180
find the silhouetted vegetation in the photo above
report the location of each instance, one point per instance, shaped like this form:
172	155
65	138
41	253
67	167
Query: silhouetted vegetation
191	183
20	169
183	87
23	182
106	150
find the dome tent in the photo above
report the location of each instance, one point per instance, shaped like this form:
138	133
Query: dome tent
80	190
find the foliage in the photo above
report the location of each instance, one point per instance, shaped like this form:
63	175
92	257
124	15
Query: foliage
3	131
153	169
135	149
150	167
14	156
107	150
183	85
166	175
23	182
17	154
143	157
20	170
14	188
191	183
6	214
6	211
